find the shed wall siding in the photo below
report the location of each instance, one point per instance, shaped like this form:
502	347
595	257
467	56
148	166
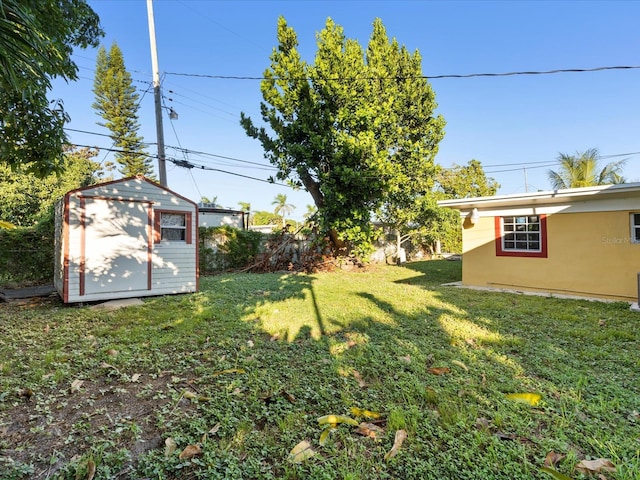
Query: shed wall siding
589	254
173	264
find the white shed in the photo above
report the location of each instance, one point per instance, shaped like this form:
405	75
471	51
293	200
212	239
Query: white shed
126	238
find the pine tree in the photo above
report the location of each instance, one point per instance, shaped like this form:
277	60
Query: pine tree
117	103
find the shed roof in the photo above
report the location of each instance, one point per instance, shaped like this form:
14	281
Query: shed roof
600	192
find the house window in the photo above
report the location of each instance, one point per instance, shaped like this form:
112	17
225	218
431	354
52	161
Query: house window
521	236
171	226
635	227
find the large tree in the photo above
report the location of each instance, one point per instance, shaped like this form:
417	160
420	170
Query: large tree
117	103
354	129
37	38
583	170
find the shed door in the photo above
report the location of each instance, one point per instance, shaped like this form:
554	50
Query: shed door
116	246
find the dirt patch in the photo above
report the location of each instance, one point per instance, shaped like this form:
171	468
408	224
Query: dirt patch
118	416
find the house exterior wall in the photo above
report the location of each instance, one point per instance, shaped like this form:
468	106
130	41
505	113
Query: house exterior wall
212	219
589	253
172	266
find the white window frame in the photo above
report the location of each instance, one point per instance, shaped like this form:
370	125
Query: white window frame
634	227
526	232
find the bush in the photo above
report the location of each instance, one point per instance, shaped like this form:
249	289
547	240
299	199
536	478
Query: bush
27	253
223	248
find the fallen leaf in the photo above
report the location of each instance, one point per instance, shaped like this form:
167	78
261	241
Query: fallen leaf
107	365
112	352
47	328
530	398
325	434
552	459
460	364
190	451
406	358
214	429
359	412
439	370
193	396
602	323
482	423
596	466
358	377
91	469
250	343
169	447
554	473
290	398
506	436
400	437
335	419
135	377
76	384
369	430
301	452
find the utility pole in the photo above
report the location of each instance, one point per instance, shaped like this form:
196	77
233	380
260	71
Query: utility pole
162	166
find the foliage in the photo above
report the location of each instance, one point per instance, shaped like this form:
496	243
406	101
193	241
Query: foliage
422	220
246	367
37	38
25	198
355	129
282	207
116	101
583	170
262	217
226	247
27	253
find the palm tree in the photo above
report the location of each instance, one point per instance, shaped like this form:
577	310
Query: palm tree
282	207
581	170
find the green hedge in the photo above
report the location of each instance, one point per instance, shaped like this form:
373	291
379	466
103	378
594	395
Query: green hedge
27	253
225	248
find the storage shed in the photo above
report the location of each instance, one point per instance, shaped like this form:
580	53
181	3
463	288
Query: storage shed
581	242
126	238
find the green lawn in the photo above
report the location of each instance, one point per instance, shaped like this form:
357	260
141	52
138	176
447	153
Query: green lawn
244	368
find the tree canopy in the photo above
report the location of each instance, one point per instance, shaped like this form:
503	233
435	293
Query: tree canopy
583	170
356	129
117	103
37	38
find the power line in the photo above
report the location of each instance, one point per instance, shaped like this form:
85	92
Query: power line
468	75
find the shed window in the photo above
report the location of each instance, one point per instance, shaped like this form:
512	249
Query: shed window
635	227
172	226
521	236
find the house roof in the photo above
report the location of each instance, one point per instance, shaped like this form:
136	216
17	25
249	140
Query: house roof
567	196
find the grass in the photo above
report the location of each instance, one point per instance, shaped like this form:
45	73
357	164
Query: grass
244	368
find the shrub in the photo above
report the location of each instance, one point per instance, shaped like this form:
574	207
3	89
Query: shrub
225	247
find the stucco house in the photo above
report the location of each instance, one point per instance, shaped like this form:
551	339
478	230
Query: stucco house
581	242
126	238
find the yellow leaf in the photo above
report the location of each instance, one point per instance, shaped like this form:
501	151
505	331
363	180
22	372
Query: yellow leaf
401	435
554	473
325	435
301	452
335	419
7	225
596	466
460	364
190	451
530	398
359	412
169	447
192	396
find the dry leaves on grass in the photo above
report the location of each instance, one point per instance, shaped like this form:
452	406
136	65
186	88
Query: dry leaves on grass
439	370
301	452
190	451
400	437
596	466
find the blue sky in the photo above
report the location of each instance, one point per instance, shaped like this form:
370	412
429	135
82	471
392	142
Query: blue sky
511	123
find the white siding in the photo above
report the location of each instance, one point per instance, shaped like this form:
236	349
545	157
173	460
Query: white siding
173	264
